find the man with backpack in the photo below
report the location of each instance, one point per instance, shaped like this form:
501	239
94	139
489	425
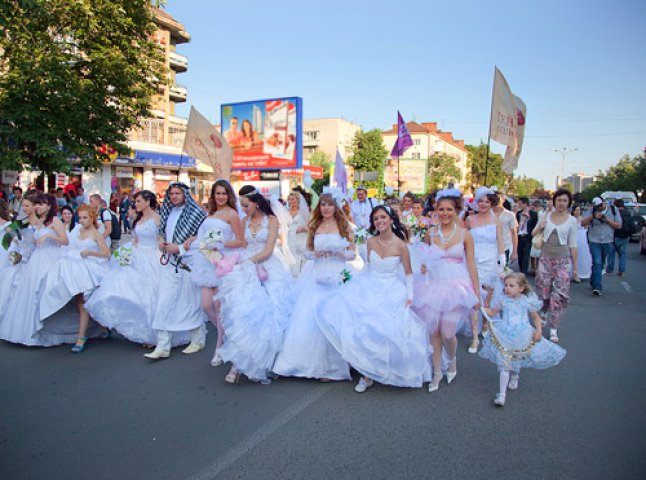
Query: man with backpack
602	221
622	236
108	223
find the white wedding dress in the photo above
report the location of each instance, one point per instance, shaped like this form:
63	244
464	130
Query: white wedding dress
256	300
372	329
306	352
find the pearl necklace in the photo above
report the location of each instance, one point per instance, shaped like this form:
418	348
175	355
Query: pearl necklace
382	243
444	240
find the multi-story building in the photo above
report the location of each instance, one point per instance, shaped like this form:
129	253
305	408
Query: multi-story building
579	181
157	157
326	135
428	140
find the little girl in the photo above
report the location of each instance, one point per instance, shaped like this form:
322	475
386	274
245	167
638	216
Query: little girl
512	343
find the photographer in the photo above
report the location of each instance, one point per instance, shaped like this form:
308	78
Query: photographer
602	221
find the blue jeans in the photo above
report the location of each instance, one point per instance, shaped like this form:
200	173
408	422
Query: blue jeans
620	248
599	252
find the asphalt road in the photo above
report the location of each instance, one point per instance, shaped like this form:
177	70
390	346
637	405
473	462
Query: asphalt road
109	413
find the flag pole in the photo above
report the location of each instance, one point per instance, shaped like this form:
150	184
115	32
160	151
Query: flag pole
398	174
489	130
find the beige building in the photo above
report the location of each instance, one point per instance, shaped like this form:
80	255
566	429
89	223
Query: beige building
427	141
326	135
157	157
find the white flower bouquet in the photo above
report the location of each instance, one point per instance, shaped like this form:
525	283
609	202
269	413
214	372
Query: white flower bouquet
360	236
211	240
124	256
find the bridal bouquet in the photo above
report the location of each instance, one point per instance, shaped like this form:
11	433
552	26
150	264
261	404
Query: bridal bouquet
419	228
360	236
211	240
124	256
12	232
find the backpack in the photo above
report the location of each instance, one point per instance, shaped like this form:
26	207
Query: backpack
115	234
629	225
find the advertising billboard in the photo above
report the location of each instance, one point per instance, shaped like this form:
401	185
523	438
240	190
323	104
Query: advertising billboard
412	174
264	134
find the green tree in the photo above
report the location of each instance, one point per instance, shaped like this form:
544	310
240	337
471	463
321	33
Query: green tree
629	174
368	155
320	159
442	170
76	75
479	168
524	186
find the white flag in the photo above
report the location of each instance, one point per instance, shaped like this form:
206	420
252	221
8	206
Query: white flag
510	163
204	142
503	124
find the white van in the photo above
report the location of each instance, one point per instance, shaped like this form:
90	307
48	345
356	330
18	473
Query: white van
627	197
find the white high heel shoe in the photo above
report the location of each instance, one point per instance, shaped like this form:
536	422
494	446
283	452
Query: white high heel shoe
433	386
216	361
451	375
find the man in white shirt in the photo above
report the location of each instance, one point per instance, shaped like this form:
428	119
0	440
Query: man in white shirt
15	205
178	305
362	207
105	219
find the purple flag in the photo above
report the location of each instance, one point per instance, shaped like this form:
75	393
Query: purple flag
340	175
403	138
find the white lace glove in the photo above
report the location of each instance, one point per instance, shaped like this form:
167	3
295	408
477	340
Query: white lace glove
409	287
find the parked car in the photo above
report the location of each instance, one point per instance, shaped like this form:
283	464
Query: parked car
642	241
638	214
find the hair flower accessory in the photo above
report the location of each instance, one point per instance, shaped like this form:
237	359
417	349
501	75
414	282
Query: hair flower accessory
336	194
448	193
481	192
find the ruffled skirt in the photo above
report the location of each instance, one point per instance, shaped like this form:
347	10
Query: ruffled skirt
369	325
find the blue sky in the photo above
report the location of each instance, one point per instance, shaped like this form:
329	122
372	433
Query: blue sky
580	67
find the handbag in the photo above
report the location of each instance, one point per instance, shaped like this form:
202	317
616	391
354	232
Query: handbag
537	241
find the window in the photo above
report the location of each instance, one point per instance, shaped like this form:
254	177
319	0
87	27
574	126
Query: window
417	141
312	135
415	155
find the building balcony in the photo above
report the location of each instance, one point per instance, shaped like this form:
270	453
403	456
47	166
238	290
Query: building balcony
174	120
177	93
178	62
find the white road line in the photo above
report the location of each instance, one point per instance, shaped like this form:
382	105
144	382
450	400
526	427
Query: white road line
246	445
627	286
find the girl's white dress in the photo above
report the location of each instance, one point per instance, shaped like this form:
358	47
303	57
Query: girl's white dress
445	287
305	351
127	296
584	258
510	336
485	249
296	243
254	312
71	275
370	326
202	271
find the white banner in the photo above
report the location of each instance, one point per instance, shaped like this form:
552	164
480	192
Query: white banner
207	145
510	162
124	172
503	124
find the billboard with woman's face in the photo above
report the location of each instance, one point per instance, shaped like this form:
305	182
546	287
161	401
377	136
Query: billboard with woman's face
264	133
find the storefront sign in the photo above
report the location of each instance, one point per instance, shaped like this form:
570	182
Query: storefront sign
124	172
270	175
9	177
162	175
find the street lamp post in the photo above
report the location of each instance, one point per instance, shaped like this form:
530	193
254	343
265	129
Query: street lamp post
564	152
640	192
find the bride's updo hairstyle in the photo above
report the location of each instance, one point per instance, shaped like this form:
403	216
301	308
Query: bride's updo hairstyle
250	192
317	218
150	198
452	195
398	229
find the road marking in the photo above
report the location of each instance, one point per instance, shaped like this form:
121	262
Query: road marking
627	286
246	445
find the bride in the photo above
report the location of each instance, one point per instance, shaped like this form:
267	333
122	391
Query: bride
305	351
370	323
